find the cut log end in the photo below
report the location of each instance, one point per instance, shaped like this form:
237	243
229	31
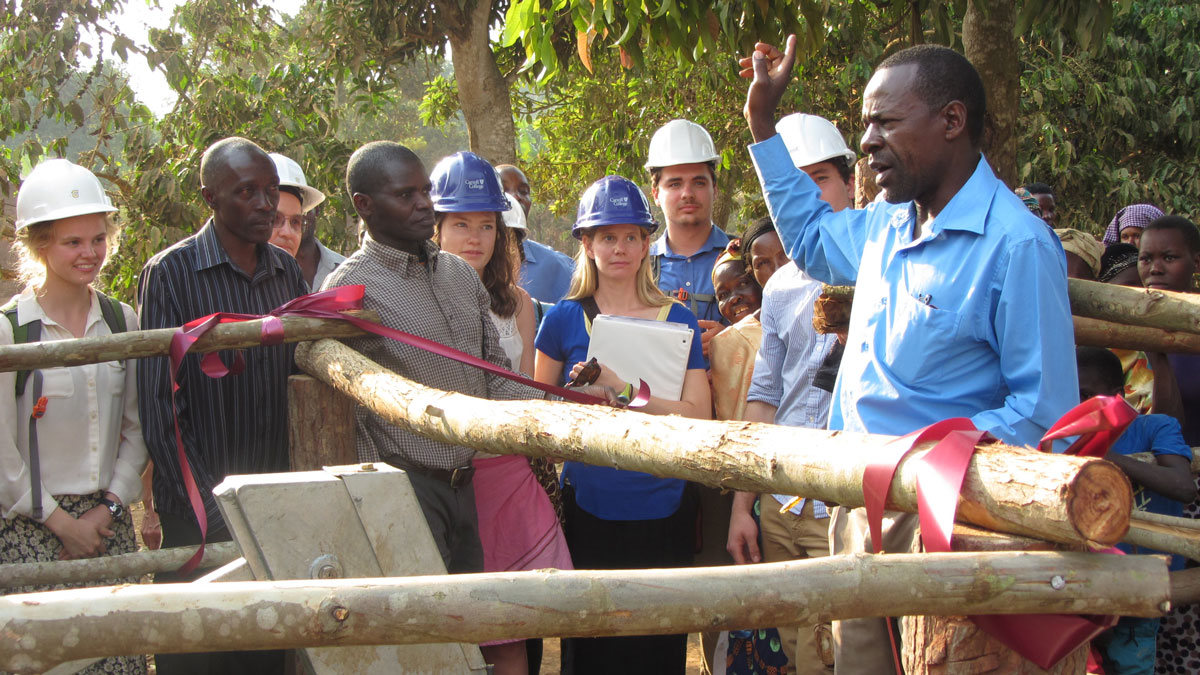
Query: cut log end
1099	501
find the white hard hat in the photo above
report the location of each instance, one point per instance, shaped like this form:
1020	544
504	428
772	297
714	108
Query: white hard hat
56	189
514	217
680	142
811	139
291	175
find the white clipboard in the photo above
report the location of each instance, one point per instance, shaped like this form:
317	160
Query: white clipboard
645	349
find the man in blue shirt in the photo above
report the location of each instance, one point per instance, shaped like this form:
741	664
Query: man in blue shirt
545	273
961	304
683	182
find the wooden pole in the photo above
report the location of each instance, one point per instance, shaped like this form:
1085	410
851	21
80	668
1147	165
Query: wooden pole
1013	490
321	426
145	343
1106	315
1185	587
15	575
1164	537
40	629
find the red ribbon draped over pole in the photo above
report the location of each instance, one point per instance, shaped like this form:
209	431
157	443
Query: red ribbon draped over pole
1042	638
328	304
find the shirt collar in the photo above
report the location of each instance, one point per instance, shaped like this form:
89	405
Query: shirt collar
28	310
716	240
406	263
530	250
963	211
210	253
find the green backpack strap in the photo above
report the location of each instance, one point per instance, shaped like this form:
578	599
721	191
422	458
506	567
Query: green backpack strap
113	313
30	332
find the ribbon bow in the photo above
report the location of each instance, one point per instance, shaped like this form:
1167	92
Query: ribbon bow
1042	638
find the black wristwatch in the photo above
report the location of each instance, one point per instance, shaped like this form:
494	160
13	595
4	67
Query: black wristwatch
114	508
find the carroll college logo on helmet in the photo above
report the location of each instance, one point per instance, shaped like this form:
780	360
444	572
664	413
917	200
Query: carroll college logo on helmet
619	202
476	184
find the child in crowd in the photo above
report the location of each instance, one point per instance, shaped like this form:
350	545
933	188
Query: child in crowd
1162	487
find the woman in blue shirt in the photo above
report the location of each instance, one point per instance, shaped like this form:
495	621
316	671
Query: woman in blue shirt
621	519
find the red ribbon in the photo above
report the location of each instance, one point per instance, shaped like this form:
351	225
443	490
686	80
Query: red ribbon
327	304
1042	638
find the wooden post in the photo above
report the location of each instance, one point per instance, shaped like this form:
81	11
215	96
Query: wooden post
40	629
320	425
952	644
1021	491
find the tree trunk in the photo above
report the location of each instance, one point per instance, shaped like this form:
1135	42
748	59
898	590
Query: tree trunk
483	94
41	629
1015	490
989	43
144	343
1140	307
1097	333
86	570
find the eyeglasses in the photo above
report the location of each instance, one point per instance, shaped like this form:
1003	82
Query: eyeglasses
295	222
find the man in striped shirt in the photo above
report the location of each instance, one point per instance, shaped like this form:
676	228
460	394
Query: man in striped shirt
233	425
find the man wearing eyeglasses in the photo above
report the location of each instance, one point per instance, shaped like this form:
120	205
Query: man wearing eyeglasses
233	425
296	222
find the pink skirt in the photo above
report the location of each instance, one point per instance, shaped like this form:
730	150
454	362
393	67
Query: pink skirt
517	524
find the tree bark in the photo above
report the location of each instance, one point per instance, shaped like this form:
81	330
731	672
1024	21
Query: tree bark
15	575
989	43
1140	307
1105	316
1185	587
1015	490
144	343
38	630
483	94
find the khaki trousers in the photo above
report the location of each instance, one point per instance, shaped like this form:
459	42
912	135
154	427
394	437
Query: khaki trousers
862	645
787	536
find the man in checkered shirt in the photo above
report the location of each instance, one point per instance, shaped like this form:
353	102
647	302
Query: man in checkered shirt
420	290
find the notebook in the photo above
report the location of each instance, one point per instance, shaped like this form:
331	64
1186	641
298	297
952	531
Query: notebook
645	349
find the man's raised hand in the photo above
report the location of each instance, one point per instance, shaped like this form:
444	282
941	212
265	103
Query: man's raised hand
770	70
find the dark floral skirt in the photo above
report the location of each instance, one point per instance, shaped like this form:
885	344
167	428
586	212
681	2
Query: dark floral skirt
23	540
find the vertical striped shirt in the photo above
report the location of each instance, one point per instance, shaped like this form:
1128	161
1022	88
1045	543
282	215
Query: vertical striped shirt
233	425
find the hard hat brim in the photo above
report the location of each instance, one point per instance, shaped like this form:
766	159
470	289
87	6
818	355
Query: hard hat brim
64	212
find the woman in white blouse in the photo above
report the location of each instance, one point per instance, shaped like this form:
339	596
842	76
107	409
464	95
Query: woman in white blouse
66	478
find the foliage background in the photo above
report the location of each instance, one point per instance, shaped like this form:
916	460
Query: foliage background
1107	123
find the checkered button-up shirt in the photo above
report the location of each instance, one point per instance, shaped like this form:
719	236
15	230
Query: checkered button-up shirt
439	298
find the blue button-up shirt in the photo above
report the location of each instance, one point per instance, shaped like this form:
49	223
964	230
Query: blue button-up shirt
546	273
969	320
691	273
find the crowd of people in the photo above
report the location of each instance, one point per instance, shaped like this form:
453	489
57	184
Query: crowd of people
961	310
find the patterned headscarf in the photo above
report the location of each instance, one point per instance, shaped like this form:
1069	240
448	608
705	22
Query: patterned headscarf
1083	245
1029	200
1134	215
1116	259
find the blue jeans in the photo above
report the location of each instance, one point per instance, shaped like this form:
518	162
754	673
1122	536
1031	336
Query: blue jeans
1129	648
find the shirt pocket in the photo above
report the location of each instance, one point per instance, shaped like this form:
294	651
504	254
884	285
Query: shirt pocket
113	377
919	341
56	383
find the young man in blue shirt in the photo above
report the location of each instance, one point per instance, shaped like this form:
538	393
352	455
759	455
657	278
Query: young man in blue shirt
961	303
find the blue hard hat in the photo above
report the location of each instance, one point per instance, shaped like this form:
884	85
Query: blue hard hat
465	182
613	200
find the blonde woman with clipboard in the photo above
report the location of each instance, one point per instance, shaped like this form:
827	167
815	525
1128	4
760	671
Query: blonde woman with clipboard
621	519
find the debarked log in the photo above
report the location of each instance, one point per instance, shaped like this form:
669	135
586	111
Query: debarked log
1013	490
40	629
145	343
104	568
